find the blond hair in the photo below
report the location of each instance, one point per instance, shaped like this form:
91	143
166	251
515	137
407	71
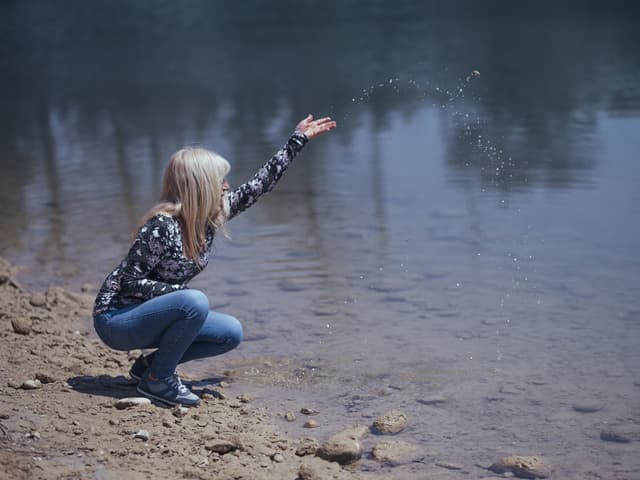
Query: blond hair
192	193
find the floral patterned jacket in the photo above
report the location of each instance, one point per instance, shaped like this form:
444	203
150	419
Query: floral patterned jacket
156	265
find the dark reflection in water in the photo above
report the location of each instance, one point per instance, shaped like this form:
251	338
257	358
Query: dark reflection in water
481	225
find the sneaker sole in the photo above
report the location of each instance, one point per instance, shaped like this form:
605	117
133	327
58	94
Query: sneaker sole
164	400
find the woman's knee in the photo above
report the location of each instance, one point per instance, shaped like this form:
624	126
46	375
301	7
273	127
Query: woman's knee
194	302
235	332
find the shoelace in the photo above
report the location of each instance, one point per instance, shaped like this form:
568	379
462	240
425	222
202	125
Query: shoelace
174	382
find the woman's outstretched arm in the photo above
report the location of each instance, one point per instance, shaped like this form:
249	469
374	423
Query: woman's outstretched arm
266	178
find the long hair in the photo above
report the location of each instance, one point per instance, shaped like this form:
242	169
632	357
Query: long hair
192	193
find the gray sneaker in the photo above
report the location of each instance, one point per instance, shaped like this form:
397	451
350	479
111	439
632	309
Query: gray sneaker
168	390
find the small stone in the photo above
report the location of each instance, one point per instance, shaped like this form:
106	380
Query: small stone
114	421
246	397
475	73
14	384
614	436
289	416
130	402
45	377
521	466
221	446
309	472
179	411
432	401
308	446
31	384
290	285
394	452
310	424
588	407
309	411
142	435
22	325
223	384
207	396
391	422
167	424
277	457
38	300
342	447
87	287
449	466
34	435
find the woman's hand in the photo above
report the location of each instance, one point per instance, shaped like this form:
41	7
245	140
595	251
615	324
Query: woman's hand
314	128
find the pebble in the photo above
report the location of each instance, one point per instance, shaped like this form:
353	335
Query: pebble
179	411
342	447
614	436
289	416
391	422
142	435
394	452
521	466
309	472
87	287
310	424
449	466
588	407
45	377
22	325
221	446
289	285
34	435
38	300
31	384
308	446
130	402
308	411
246	397
277	457
432	401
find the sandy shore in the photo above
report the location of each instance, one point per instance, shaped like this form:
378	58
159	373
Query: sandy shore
67	426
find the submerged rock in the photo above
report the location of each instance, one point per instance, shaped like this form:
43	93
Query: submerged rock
391	422
310	424
522	466
394	452
289	416
618	436
587	407
343	447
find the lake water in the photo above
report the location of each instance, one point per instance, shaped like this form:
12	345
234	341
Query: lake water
470	240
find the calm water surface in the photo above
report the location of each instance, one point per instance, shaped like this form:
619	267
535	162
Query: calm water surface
468	240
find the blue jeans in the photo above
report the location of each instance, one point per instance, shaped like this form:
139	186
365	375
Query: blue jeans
179	324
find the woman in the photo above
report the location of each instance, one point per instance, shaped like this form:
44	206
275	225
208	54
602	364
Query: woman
145	302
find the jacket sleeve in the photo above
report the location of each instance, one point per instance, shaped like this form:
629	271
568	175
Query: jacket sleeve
148	247
266	178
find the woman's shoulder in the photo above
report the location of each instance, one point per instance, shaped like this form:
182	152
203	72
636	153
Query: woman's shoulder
160	224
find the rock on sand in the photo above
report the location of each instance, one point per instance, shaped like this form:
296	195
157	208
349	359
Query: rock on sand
130	402
522	466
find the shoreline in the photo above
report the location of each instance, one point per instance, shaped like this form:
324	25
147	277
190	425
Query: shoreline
59	420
